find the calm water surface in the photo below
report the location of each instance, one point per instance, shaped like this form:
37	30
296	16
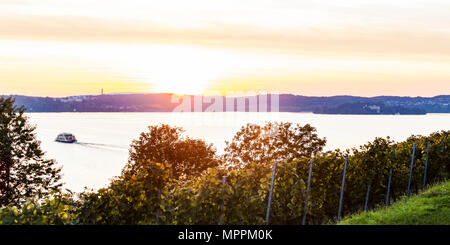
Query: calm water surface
104	138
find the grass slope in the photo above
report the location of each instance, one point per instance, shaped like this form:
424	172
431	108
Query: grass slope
432	207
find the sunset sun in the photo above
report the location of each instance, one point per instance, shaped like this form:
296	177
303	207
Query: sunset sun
179	85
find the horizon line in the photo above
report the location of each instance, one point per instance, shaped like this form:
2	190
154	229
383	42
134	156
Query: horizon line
243	95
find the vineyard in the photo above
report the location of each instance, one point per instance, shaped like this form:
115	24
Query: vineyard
307	190
241	196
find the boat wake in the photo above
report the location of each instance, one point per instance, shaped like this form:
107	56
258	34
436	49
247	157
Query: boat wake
102	146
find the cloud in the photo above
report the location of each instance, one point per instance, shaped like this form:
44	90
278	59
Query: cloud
355	39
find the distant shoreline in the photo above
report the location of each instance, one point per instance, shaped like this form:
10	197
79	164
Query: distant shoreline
312	113
342	105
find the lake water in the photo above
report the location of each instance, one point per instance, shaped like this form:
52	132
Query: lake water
104	138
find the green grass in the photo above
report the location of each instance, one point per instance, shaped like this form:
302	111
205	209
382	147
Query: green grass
432	207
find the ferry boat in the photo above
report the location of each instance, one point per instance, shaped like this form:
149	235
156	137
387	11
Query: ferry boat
66	138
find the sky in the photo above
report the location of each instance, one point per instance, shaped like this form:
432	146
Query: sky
315	48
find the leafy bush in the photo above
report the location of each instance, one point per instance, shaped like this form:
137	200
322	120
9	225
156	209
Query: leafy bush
59	209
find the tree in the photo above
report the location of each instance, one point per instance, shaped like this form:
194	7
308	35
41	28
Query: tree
272	142
24	173
162	143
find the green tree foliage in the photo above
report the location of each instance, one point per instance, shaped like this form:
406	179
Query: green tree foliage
57	209
163	143
24	173
272	142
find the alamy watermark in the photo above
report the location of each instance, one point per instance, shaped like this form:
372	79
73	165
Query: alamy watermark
235	102
259	107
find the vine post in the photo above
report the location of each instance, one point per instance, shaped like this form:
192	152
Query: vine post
426	166
366	203
442	151
158	208
342	188
271	193
390	176
411	170
222	214
307	192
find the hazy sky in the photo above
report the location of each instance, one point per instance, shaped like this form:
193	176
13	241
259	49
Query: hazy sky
368	48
